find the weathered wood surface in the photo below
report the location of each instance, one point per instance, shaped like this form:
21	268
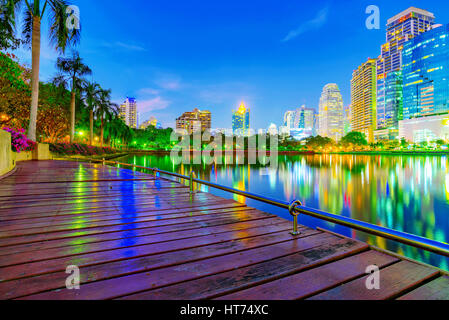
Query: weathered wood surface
135	236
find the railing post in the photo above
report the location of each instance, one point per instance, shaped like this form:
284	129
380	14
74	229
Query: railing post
192	188
295	213
104	161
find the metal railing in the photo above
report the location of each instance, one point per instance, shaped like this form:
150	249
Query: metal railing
296	208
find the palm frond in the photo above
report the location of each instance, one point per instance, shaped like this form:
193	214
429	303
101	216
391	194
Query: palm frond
60	36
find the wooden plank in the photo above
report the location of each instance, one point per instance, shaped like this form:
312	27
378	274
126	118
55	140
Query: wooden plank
42	235
45	254
316	280
394	280
437	289
137	267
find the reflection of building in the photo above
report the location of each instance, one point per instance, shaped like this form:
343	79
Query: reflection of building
240	120
196	120
425	129
400	29
331	113
347	120
426	74
128	112
363	99
151	122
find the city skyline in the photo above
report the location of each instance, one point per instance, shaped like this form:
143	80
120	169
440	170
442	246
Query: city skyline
206	76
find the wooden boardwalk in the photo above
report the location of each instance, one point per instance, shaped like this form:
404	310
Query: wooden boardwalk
137	237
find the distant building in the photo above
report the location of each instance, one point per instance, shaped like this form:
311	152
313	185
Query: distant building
151	122
196	120
347	120
425	129
289	119
272	130
426	74
241	120
363	99
400	28
331	112
128	112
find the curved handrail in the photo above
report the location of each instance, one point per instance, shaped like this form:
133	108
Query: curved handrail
399	236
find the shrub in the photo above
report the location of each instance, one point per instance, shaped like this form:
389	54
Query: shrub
19	141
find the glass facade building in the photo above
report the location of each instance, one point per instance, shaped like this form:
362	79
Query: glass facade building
240	120
400	28
426	74
331	113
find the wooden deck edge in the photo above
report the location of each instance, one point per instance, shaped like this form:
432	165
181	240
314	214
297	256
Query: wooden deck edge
10	173
391	253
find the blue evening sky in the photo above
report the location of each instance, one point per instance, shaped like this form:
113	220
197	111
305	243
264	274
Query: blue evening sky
275	56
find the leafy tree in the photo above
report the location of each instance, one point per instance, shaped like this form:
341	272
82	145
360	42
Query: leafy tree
91	97
7	32
319	142
72	71
354	138
15	93
105	111
60	37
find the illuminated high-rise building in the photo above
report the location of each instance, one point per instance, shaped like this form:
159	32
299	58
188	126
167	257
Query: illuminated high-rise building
426	74
289	120
331	112
363	99
128	112
400	28
240	120
194	121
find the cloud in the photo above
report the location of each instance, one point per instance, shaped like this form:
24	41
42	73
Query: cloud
153	104
168	82
313	24
148	91
122	45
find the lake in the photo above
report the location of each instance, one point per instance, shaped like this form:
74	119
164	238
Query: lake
405	193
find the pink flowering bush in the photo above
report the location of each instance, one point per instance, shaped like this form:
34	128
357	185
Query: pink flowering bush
72	149
19	140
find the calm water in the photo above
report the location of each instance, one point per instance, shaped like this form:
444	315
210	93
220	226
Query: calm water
406	193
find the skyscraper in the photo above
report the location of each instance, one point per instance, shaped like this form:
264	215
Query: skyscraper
289	120
128	112
400	28
194	121
331	112
240	120
363	99
426	74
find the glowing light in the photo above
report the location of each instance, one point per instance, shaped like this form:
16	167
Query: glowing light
242	108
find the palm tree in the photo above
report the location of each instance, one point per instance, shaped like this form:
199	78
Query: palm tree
106	111
72	70
91	97
59	34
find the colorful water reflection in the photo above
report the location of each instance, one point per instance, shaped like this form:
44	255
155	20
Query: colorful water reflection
406	193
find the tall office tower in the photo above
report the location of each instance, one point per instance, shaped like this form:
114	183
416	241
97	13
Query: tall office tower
426	87
128	112
289	120
331	112
363	99
426	74
240	120
194	121
347	118
401	28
